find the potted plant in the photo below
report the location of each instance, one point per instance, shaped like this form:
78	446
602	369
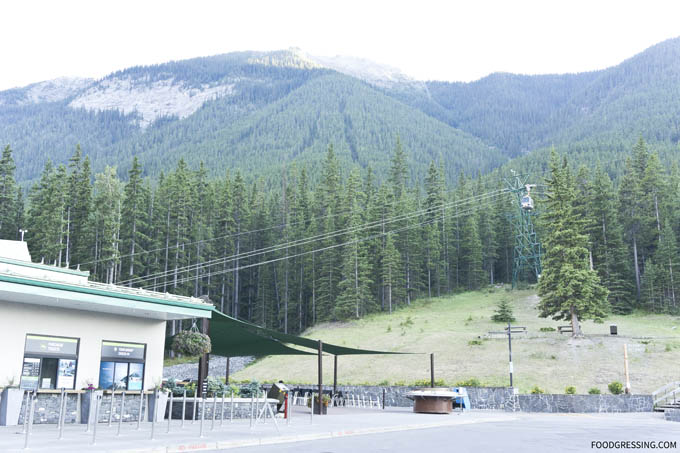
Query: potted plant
11	400
325	401
191	343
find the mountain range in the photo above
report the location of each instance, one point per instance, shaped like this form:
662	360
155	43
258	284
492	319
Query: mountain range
261	112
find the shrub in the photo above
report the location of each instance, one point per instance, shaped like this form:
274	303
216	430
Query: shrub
536	390
503	312
427	383
571	390
215	386
232	388
475	343
325	400
547	329
472	382
190	342
250	390
408	322
616	388
594	391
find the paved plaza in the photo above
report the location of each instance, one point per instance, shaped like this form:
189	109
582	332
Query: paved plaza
358	430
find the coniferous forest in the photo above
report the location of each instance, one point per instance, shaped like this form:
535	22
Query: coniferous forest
341	244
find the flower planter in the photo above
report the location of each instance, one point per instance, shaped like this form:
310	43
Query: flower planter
162	406
10	406
87	405
324	408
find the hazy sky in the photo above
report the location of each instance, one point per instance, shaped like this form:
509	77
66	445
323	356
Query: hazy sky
447	40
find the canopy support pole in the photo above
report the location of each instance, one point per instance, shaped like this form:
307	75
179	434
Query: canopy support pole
432	370
226	376
335	374
320	379
204	359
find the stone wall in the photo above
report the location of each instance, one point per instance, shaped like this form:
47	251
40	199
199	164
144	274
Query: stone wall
585	403
47	408
241	408
502	398
672	415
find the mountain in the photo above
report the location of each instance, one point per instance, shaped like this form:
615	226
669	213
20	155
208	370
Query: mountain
254	111
261	111
520	113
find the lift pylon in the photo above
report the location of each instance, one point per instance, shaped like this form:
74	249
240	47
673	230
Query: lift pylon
527	251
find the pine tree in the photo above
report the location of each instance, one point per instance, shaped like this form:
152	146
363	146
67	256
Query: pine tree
568	288
8	196
45	236
354	287
503	312
609	254
135	225
667	258
390	262
634	212
107	218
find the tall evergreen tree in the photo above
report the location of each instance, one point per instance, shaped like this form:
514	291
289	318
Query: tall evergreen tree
134	228
609	254
8	196
568	288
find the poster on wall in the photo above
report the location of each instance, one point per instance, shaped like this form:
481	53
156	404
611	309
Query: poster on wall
136	376
106	375
66	374
120	376
30	373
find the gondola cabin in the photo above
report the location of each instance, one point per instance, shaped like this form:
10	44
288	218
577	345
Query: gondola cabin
527	203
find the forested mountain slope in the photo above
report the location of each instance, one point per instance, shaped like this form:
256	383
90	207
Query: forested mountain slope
253	111
520	113
258	111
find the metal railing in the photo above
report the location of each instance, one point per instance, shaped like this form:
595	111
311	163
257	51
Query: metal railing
664	394
103	408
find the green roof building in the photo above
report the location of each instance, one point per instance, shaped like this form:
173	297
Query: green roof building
60	330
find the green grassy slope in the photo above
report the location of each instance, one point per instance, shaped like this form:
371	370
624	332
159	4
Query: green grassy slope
445	325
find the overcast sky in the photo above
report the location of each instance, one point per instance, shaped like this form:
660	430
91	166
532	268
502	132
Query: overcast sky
448	40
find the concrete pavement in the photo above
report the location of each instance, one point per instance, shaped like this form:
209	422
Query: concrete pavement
340	422
353	429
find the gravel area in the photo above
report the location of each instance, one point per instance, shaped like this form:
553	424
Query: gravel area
217	368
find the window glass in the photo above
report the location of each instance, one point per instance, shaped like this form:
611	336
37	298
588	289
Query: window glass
136	376
48	373
122	366
66	374
49	362
121	376
106	375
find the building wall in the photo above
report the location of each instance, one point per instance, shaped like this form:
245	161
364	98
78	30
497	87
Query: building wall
91	328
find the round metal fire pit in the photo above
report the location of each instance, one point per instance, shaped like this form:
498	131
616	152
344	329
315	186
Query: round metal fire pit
433	400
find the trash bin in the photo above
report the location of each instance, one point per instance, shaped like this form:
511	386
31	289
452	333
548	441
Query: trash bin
278	392
613	330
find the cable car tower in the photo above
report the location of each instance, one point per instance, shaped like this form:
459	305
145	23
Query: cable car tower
527	250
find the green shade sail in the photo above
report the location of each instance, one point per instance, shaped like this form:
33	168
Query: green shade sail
232	338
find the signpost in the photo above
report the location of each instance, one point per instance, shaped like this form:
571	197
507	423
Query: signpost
510	349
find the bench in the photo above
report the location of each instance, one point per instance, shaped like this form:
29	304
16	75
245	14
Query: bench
563	329
504	334
517	329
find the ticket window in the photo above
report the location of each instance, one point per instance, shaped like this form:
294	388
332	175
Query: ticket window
122	366
49	362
